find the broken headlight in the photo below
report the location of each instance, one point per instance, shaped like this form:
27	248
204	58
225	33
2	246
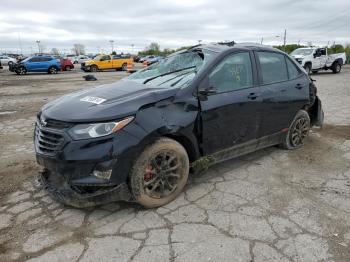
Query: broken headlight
85	131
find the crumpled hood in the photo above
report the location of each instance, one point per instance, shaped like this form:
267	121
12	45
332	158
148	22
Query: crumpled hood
106	102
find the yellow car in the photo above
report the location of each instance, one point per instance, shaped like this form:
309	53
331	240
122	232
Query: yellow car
102	62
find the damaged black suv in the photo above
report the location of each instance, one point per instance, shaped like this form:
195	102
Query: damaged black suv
138	138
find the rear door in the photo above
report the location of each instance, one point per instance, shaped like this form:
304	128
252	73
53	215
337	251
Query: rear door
231	114
117	61
284	91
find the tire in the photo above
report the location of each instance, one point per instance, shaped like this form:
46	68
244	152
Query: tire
75	62
93	68
52	70
308	69
67	68
336	68
125	67
314	71
297	132
10	63
156	166
21	71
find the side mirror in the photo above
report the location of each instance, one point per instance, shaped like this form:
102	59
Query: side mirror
204	89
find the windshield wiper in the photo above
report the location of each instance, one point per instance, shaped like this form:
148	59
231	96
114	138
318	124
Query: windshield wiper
168	73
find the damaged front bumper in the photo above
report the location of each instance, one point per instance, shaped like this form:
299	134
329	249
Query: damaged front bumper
61	190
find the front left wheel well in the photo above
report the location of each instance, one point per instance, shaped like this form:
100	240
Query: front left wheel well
187	144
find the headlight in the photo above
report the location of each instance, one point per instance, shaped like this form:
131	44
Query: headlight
85	131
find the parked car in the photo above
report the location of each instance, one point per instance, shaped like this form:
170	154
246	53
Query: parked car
102	62
66	64
6	60
136	139
1	65
47	64
314	59
153	60
80	59
142	59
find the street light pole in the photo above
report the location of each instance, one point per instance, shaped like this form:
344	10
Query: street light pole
132	48
38	42
284	40
112	42
199	41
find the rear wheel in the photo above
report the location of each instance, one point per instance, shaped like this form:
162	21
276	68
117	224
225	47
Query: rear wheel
68	68
125	67
10	63
298	131
160	173
52	70
93	68
336	68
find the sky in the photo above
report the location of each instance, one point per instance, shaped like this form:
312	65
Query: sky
171	23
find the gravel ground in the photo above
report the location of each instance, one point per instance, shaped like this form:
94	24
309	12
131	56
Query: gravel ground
271	205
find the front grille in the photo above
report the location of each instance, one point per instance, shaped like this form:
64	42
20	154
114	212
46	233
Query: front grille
47	142
51	123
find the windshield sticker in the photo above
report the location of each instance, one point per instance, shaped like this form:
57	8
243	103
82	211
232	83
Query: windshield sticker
93	99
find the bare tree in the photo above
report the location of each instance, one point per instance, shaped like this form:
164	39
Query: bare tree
78	49
55	51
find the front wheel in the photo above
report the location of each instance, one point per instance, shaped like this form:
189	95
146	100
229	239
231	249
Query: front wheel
10	63
298	131
21	70
93	68
336	68
308	69
160	173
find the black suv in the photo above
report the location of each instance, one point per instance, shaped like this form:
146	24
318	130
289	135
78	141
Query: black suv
137	139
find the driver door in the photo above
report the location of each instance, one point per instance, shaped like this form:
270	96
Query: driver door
231	113
105	62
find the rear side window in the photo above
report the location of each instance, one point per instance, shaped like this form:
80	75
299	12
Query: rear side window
273	67
293	71
45	59
234	72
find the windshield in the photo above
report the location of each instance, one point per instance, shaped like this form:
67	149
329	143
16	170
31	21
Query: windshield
27	59
175	70
302	51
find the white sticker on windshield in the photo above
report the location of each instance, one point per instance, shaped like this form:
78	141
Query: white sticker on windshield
93	99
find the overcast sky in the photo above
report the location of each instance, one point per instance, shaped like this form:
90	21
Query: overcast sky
171	23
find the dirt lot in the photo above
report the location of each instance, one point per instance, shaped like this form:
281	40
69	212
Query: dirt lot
272	205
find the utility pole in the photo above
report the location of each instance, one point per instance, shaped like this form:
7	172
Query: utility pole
199	41
20	42
112	44
284	40
262	40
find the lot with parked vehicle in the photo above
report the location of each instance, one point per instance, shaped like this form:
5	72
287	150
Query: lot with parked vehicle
271	205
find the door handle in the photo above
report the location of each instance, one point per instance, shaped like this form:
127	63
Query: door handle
299	86
252	96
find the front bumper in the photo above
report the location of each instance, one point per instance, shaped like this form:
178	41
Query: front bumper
69	165
61	190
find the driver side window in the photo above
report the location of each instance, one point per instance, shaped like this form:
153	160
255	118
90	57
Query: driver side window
105	58
234	72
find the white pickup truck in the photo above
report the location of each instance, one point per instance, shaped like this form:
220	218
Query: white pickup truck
314	59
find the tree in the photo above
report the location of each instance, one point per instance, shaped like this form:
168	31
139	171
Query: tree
55	51
78	49
114	53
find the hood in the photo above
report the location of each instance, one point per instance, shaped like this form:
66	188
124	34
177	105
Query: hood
106	102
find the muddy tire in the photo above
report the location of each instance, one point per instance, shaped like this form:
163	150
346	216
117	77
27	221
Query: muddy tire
297	132
160	173
93	68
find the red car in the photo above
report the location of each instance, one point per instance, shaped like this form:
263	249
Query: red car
66	64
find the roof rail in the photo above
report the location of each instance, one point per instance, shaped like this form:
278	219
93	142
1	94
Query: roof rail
228	43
